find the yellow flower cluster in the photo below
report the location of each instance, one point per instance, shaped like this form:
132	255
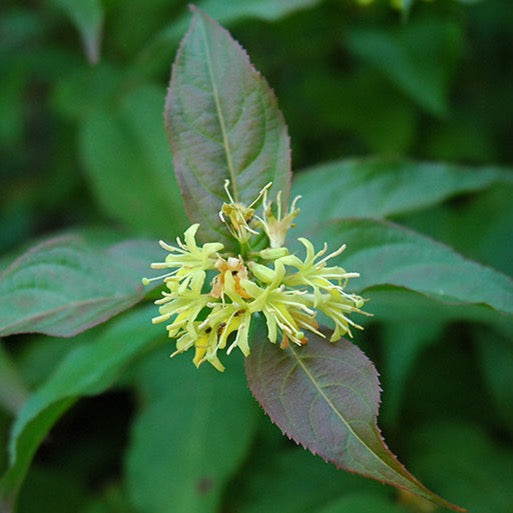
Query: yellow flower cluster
212	297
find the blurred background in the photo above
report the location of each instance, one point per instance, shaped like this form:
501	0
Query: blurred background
82	87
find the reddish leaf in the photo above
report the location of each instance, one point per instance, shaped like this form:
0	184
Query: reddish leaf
223	122
326	398
66	285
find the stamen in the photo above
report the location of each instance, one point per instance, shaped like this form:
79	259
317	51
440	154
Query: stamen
226	185
159	265
294	202
160	318
147	281
335	253
167	247
261	193
311	328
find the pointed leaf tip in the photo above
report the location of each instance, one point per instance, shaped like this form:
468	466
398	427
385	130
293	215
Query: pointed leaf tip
223	122
326	398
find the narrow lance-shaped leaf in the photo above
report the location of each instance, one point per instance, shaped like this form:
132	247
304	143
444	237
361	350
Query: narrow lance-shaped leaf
66	285
223	122
326	397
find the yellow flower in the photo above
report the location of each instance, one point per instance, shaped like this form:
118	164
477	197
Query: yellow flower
337	306
187	257
276	228
239	215
205	344
216	315
233	267
229	318
185	303
284	309
314	273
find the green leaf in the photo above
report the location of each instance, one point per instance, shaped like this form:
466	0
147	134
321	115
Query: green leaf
419	57
387	254
12	107
465	463
485	241
403	343
127	160
40	488
362	503
291	480
88	370
223	122
192	433
496	360
38	357
326	398
12	389
381	188
81	92
87	15
66	285
261	9
112	500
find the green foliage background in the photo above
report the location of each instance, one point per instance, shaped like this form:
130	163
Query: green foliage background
82	145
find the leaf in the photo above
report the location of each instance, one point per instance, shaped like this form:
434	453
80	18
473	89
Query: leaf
261	9
403	343
40	488
81	92
358	502
496	361
275	481
419	57
127	160
446	366
381	188
193	431
387	254
223	122
326	398
88	370
87	15
465	463
12	388
66	285
38	357
485	241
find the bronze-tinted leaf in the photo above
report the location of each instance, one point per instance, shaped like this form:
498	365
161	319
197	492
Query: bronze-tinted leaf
223	122
326	398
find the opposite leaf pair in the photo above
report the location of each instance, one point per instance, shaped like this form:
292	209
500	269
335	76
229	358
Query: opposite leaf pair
223	123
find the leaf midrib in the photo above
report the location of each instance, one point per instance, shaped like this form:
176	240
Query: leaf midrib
337	413
220	115
58	309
